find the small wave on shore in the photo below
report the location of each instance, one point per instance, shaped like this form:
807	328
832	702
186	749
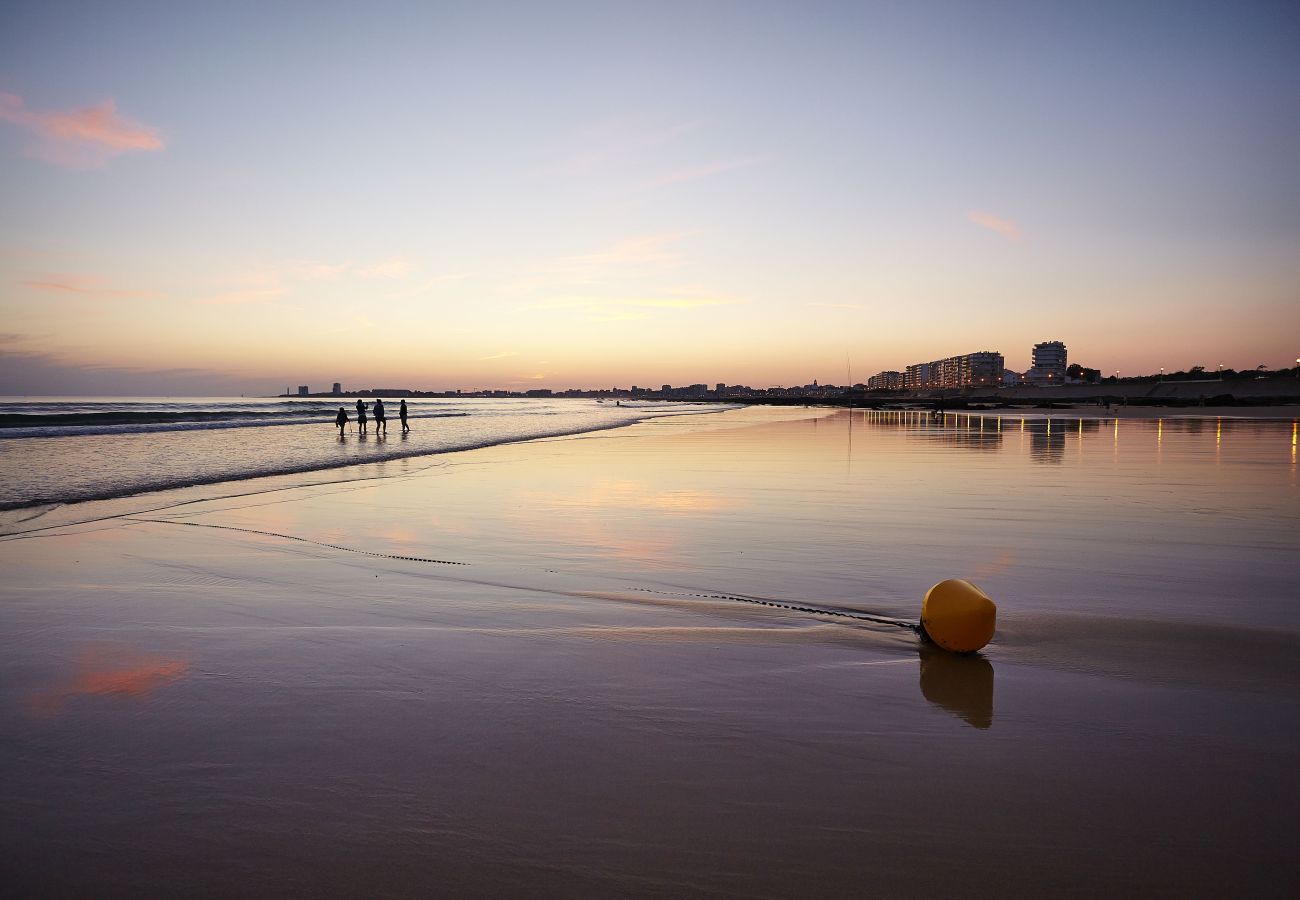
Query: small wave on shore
55	452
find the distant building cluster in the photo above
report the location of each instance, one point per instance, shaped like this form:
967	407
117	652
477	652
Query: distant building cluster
983	367
886	381
721	390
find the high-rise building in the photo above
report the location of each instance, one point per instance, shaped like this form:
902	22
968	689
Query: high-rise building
1049	363
917	377
885	381
338	388
984	367
303	391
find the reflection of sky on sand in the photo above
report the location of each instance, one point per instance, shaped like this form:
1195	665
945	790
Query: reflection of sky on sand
998	566
627	519
110	670
859	508
630	495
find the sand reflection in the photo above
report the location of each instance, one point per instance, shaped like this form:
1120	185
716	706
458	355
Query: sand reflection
113	671
636	495
963	685
624	518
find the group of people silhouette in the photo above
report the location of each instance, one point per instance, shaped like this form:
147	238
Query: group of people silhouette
381	419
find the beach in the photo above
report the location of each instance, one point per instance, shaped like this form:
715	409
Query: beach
545	668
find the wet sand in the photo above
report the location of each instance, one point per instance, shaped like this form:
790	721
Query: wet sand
522	671
1202	412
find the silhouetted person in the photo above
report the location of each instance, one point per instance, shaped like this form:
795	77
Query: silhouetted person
381	421
341	420
361	417
401	414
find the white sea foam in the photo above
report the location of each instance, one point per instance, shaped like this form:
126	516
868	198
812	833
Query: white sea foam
75	449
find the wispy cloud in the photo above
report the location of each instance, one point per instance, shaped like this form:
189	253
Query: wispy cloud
651	248
622	309
304	270
78	138
261	285
679	302
626	316
264	284
503	355
837	305
1004	227
84	285
632	257
249	295
16	337
613	141
314	270
393	267
436	283
350	324
443	279
703	171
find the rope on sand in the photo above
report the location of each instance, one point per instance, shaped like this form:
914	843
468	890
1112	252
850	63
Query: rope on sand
794	607
291	537
955	614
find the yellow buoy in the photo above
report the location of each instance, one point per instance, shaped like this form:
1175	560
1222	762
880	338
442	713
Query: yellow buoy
958	616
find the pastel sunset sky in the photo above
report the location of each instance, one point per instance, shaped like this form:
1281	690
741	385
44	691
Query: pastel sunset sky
236	197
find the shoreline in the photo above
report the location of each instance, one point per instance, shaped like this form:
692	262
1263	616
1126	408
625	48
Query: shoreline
181	458
1077	411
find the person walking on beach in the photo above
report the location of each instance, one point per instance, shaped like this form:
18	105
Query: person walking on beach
381	421
401	414
361	417
341	420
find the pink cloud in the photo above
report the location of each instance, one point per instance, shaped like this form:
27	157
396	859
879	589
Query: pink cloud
1004	227
79	137
78	284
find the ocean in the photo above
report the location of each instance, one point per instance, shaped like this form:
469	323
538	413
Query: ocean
73	449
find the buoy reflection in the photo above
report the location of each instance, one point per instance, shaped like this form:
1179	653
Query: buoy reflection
962	685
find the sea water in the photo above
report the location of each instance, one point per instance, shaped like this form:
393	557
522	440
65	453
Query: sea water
64	450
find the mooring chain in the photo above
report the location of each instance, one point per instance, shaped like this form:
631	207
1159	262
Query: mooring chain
843	614
972	629
291	537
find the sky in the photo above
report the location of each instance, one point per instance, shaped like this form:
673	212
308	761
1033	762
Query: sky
221	198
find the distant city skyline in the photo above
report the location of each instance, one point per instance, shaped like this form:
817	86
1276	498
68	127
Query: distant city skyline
224	200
